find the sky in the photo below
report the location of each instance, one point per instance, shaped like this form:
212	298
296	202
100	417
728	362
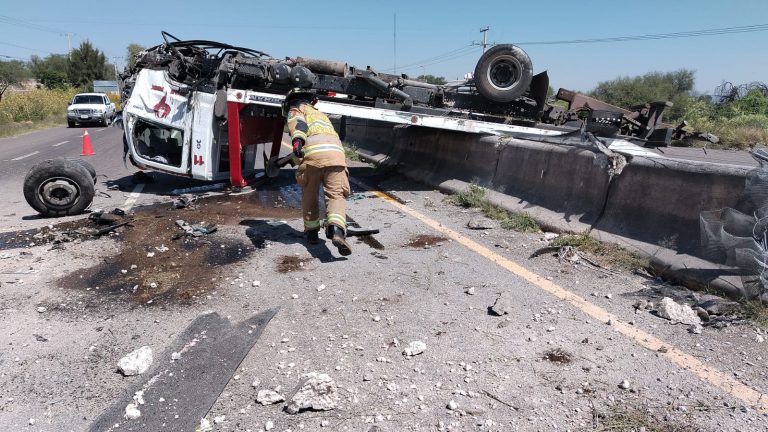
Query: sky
419	37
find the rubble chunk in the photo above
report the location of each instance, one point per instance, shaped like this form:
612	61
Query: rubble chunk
503	304
678	313
132	412
414	348
269	397
480	223
317	392
137	362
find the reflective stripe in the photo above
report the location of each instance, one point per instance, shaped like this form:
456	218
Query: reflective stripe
338	220
298	134
312	224
317	148
320	123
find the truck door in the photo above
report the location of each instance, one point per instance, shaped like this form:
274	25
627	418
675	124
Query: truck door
158	124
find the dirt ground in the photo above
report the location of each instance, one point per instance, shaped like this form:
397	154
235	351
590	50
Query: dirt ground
73	304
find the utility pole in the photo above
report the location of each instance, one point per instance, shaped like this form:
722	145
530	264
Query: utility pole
484	31
394	37
114	63
69	44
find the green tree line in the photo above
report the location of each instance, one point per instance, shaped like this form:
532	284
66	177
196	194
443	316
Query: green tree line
78	70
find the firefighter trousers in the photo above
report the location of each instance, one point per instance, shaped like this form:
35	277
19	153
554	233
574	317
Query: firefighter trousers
335	182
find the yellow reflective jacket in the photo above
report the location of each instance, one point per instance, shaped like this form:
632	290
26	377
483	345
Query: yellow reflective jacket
322	146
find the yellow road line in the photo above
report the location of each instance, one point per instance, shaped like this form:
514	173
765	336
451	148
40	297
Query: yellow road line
726	383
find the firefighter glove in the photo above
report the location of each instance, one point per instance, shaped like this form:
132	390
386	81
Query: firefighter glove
298	145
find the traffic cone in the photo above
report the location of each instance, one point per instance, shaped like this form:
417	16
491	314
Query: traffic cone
87	147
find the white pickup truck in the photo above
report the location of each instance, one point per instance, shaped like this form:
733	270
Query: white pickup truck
90	108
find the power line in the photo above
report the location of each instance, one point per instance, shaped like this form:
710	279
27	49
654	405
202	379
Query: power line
26	48
30	25
427	61
685	34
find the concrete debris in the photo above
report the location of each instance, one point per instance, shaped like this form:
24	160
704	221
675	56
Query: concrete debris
31	422
678	313
175	356
269	397
136	362
414	348
481	223
470	291
549	236
256	283
41	309
317	392
219	419
503	304
624	385
321	287
205	426
269	425
452	405
132	412
5	255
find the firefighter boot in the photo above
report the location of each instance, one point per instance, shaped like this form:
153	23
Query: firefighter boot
312	236
336	234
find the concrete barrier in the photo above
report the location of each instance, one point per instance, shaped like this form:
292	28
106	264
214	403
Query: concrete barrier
653	206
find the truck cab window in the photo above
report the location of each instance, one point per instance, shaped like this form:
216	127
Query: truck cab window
160	144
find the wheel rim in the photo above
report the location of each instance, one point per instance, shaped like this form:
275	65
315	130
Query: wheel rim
504	72
59	192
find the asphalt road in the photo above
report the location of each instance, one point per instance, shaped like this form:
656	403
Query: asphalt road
571	353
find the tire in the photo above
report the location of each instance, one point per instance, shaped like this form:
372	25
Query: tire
70	123
58	187
105	121
85	164
503	73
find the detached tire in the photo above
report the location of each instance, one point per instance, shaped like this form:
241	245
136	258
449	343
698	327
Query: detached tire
503	73
85	164
58	187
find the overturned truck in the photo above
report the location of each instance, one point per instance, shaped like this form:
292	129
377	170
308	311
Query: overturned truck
199	108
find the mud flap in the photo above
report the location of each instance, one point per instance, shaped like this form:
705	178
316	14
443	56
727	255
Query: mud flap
211	351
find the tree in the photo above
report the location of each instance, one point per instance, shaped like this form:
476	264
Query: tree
432	79
132	50
86	64
51	71
653	86
11	73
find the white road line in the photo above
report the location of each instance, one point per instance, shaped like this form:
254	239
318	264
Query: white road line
135	194
25	156
99	130
58	144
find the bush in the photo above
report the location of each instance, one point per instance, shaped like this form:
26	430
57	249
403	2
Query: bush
22	111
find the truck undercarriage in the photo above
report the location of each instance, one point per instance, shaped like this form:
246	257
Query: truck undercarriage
181	98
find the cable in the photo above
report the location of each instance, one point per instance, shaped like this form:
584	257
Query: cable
26	48
449	55
692	33
22	23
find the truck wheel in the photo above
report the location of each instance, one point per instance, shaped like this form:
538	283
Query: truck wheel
58	187
503	73
85	164
105	121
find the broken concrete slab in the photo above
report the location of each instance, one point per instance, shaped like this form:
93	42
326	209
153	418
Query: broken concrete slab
191	382
679	313
137	362
317	391
414	348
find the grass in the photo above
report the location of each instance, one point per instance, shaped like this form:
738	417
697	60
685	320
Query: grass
609	254
624	418
475	197
350	151
756	312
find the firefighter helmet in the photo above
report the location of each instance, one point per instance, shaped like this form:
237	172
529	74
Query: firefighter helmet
296	94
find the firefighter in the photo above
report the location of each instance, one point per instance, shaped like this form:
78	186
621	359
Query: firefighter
318	151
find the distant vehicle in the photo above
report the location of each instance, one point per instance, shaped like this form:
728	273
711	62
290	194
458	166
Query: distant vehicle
90	108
